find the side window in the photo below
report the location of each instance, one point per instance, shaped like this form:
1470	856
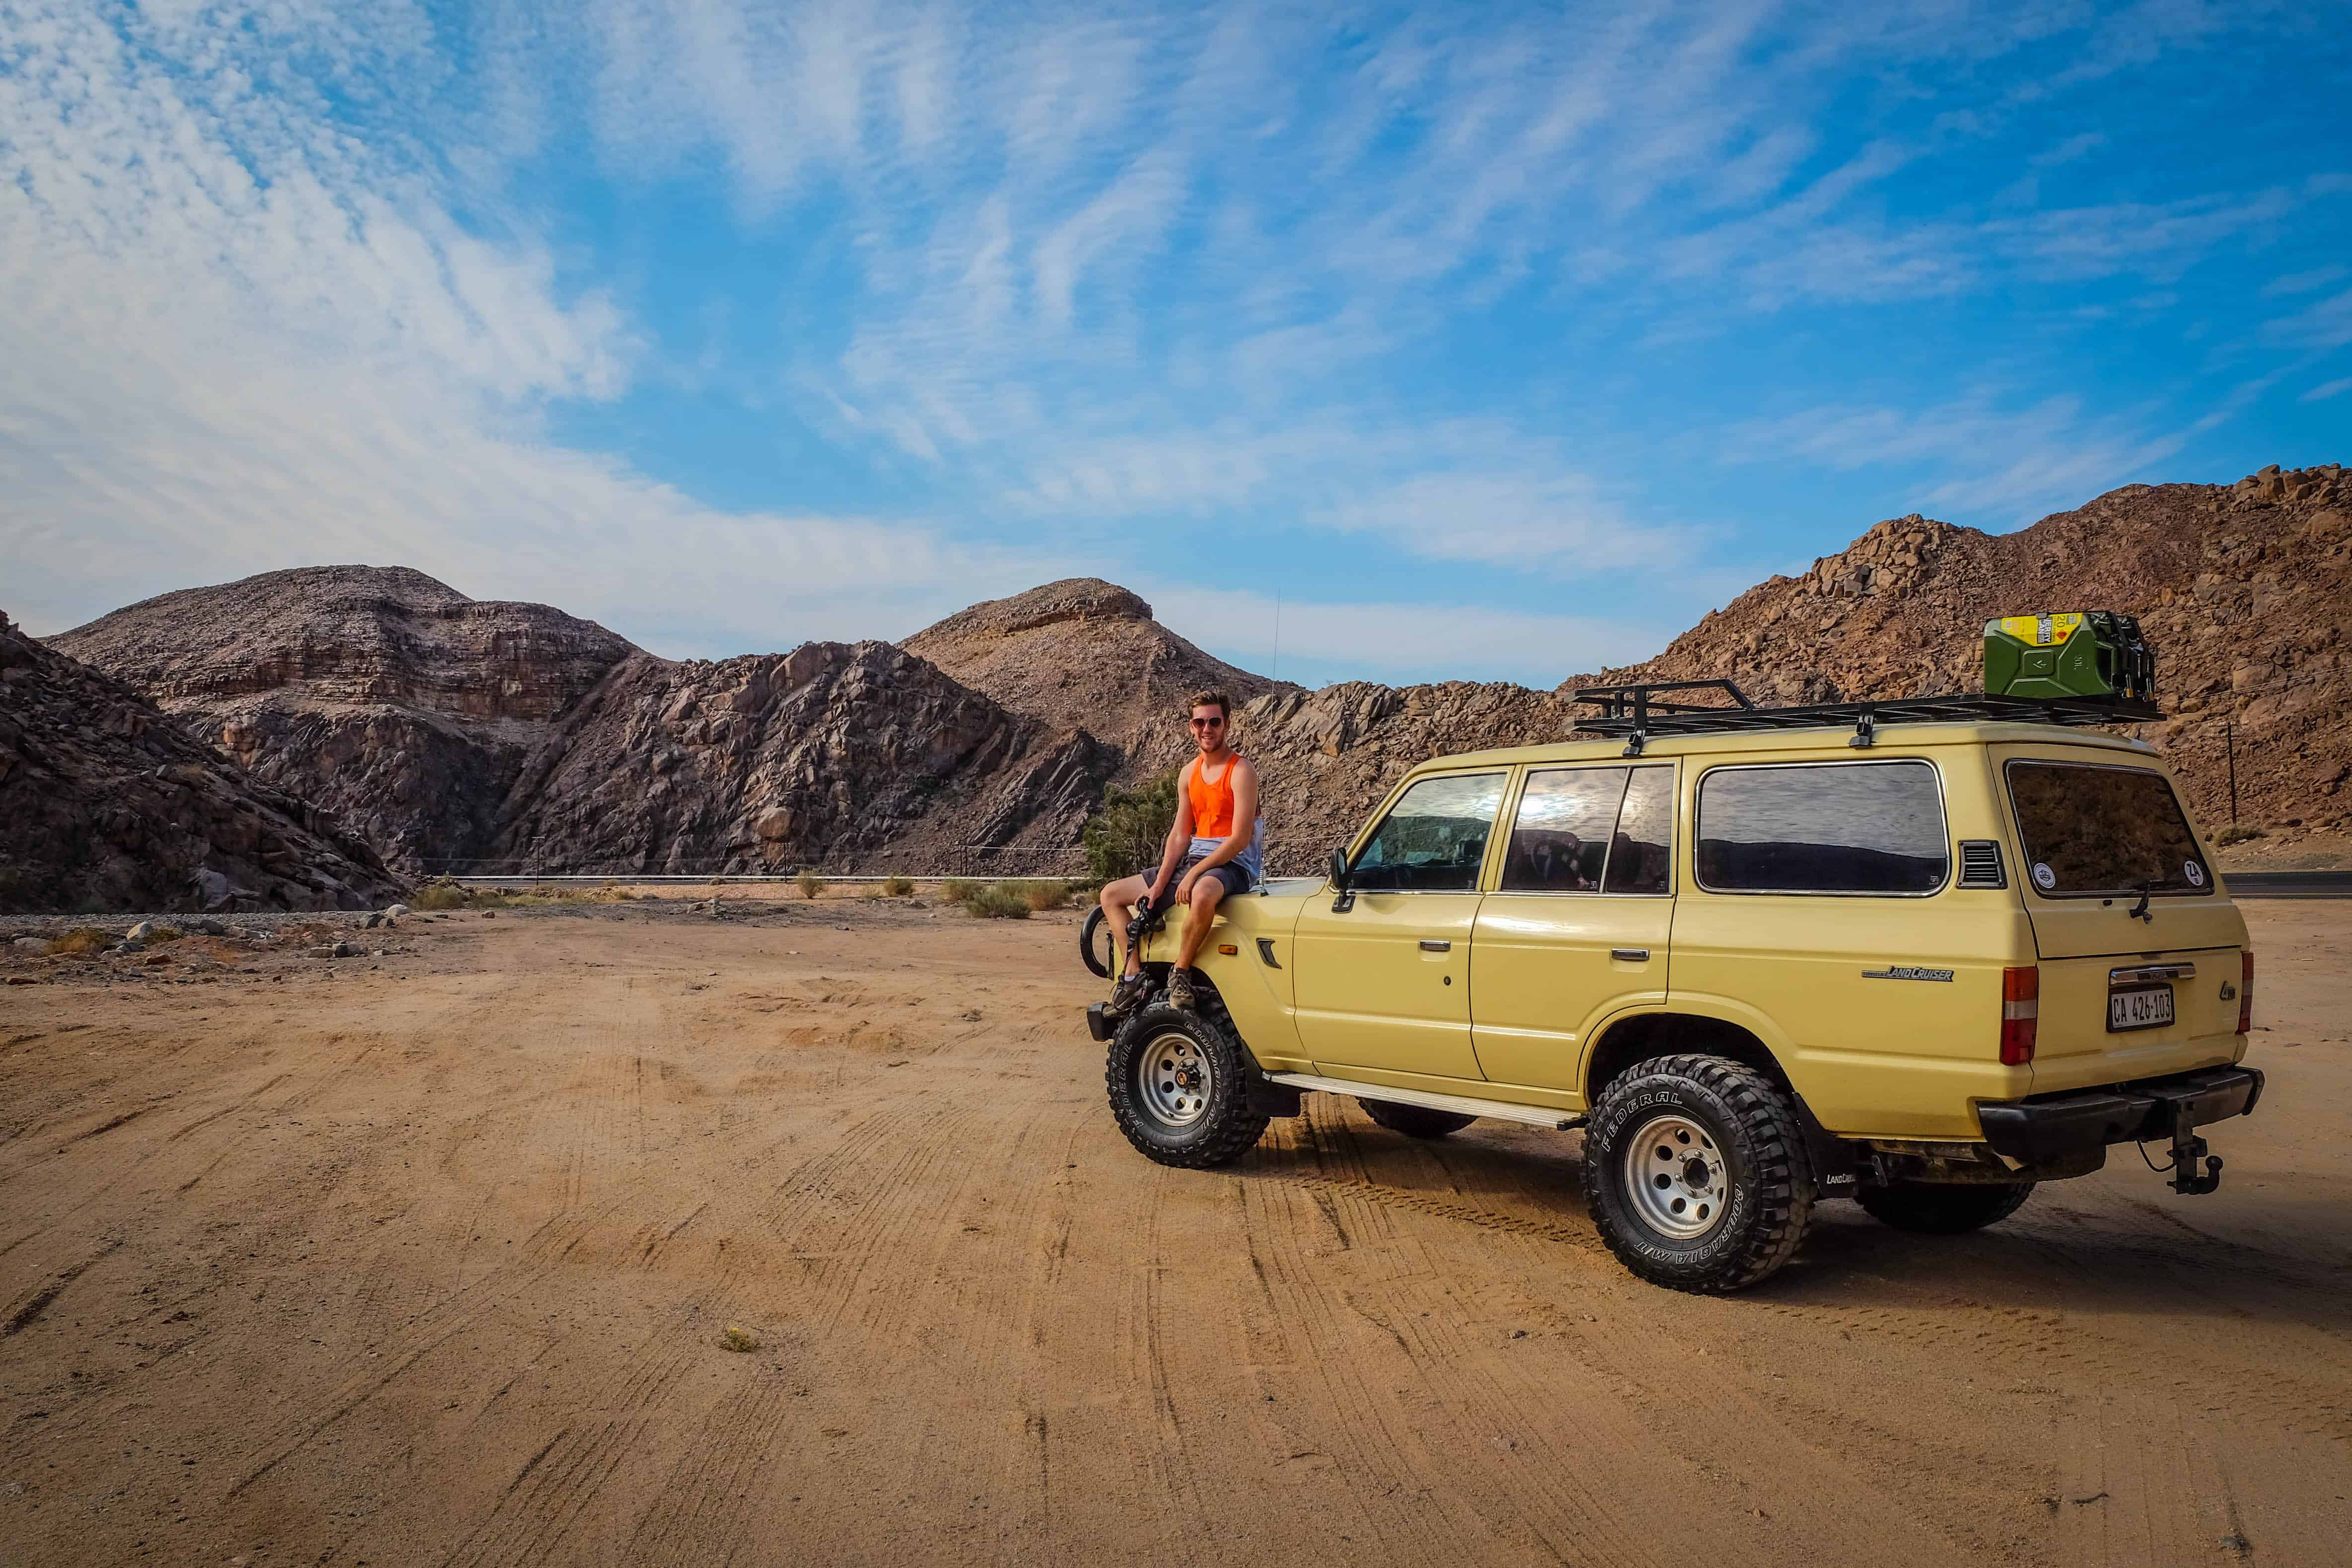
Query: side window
1559	843
1432	839
1823	827
1641	858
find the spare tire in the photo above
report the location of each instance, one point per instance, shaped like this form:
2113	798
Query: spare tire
1099	967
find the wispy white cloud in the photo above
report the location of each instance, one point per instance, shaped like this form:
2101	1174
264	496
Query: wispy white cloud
1402	640
2017	463
2329	389
2324	325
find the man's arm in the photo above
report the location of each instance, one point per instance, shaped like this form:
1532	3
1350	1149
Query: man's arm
1244	818
1180	835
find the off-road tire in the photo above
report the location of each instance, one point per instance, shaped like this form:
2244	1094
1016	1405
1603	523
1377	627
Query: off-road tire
1943	1208
1223	1130
1414	1121
1765	1172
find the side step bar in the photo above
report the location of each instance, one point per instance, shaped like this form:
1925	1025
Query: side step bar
1533	1115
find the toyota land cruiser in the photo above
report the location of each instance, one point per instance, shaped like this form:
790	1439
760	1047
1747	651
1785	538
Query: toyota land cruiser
1925	955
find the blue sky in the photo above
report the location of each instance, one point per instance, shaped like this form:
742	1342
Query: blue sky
1496	341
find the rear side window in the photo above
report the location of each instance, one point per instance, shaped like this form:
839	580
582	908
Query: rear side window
1823	827
1432	839
1643	851
1561	842
2093	829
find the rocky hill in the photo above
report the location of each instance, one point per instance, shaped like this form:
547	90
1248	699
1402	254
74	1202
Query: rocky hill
449	729
106	804
1086	654
378	693
2245	590
851	756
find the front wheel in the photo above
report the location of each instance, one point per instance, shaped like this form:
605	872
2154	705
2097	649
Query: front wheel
1414	1121
1178	1089
1943	1208
1697	1173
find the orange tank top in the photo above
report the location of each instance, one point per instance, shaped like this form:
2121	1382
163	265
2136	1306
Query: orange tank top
1212	801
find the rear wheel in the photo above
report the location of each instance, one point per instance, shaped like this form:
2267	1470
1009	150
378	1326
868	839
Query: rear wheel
1178	1086
1943	1208
1414	1121
1697	1173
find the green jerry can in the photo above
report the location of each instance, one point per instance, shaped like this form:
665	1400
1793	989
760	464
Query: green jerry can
2072	653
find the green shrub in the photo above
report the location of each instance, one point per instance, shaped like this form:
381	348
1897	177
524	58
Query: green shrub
809	884
439	896
959	890
2235	834
997	902
897	886
82	939
1043	893
1130	831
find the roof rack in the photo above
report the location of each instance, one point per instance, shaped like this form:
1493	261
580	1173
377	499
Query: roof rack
1644	711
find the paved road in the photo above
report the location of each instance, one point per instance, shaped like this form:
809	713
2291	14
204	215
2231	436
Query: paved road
2290	884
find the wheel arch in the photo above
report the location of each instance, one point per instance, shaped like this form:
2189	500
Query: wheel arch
1640	1037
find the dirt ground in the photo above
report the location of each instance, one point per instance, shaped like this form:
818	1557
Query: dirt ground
426	1258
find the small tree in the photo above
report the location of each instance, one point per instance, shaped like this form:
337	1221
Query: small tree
1129	831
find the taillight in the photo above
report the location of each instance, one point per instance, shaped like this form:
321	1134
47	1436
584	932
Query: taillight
2246	991
2020	1015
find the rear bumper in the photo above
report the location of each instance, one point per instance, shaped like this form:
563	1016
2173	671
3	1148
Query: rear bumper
2043	1128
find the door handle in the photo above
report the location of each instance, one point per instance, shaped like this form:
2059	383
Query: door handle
1630	954
1429	946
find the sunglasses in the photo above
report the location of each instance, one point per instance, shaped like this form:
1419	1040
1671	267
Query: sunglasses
1208	723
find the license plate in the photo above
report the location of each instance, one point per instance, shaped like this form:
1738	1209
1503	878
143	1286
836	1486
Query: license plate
2148	1008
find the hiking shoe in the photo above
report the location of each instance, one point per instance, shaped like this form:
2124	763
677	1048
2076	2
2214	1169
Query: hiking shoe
1179	990
1127	995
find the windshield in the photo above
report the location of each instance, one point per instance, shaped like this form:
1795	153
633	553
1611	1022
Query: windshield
2089	829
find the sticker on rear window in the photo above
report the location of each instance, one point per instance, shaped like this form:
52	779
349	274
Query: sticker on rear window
2044	876
2194	872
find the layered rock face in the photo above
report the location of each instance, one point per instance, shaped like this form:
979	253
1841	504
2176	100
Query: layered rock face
378	693
2245	591
853	756
1086	654
105	804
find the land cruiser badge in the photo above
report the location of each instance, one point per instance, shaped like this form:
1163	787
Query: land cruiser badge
1905	972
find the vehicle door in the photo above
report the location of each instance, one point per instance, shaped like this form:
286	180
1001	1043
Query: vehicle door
1820	911
1577	929
2139	944
1383	977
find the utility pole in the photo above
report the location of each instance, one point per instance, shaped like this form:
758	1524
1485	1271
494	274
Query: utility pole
2230	742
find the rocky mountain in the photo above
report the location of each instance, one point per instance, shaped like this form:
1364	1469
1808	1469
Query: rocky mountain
852	756
447	728
105	804
2245	591
1086	654
378	693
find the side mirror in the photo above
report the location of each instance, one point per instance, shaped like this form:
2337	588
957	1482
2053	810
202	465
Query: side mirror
1343	900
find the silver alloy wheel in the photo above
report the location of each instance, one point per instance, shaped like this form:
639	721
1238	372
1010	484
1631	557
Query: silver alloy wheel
1676	1177
1174	1078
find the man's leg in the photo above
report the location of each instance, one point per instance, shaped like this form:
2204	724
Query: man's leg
1207	893
1115	898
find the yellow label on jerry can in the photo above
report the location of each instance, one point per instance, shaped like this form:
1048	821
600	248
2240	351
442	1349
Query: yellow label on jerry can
2042	631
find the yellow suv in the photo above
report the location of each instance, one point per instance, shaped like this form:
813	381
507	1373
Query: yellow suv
1924	956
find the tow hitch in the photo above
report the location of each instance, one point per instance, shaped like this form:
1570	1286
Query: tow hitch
2187	1149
